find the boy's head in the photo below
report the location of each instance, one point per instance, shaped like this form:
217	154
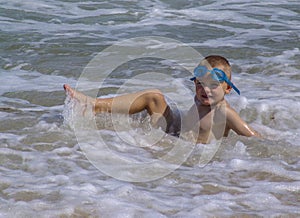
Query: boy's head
212	79
217	61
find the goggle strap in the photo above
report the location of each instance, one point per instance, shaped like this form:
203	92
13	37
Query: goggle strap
222	78
233	86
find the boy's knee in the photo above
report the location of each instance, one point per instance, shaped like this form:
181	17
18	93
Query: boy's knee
154	91
156	96
155	101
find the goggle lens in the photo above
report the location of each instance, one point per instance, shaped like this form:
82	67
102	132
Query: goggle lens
216	74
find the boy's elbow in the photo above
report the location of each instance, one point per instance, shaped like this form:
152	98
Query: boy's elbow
257	135
250	133
245	130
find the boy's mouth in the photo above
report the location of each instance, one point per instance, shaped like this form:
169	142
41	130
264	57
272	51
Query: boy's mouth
204	96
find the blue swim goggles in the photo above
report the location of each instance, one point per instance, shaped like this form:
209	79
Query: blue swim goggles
216	74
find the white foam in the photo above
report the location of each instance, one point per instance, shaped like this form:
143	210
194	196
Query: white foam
264	166
16	80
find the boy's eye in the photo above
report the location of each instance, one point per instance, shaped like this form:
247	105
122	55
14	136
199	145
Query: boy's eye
209	85
213	85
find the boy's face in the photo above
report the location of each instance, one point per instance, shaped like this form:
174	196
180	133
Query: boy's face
209	91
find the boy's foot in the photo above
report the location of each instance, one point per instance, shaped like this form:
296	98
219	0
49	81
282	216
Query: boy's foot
84	101
69	90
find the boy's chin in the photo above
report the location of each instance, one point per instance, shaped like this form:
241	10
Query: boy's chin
206	103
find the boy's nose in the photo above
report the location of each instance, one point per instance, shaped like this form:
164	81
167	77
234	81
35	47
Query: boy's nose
206	89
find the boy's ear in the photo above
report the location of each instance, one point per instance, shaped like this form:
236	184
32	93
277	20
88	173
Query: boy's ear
228	89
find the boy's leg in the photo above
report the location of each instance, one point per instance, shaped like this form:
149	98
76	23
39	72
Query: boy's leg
151	100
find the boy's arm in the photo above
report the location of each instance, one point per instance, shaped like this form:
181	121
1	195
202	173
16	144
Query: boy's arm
237	124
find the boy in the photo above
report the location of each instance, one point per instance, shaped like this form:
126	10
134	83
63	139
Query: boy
210	118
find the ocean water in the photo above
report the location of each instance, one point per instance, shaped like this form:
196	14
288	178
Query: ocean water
46	165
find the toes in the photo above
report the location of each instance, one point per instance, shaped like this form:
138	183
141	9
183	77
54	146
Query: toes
69	90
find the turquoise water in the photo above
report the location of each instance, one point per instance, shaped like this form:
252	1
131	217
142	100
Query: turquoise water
44	171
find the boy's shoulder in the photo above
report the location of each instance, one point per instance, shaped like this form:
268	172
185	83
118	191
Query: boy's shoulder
229	114
223	111
222	107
